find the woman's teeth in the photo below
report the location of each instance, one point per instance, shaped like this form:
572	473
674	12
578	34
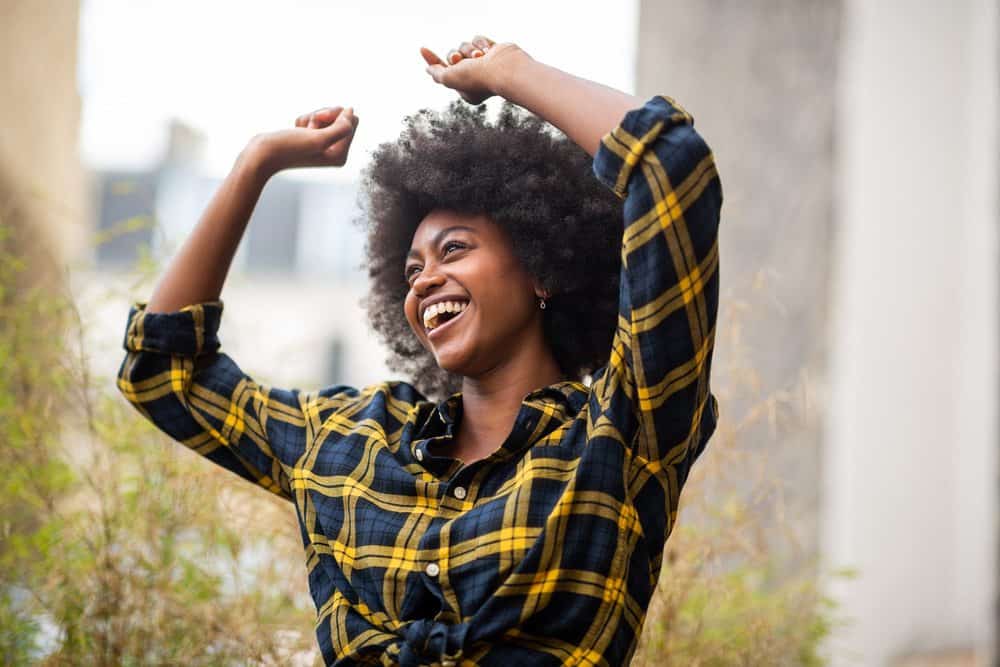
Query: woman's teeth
432	318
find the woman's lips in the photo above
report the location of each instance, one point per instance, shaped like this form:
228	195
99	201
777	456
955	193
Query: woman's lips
436	331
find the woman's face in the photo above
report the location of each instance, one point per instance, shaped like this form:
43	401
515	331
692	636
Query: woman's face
469	260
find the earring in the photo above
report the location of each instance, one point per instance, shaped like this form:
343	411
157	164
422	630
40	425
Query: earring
541	304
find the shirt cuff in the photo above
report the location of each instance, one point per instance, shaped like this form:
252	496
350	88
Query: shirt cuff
621	148
190	331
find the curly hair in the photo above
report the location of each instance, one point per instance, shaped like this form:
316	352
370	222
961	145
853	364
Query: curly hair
531	180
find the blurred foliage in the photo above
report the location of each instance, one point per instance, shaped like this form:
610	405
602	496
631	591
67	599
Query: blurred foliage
118	547
737	585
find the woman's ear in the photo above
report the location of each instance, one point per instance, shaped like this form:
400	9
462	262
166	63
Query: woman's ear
540	291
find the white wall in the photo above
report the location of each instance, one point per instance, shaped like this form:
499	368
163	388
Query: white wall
910	464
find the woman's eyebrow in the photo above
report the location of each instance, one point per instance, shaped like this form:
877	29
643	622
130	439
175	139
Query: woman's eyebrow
437	237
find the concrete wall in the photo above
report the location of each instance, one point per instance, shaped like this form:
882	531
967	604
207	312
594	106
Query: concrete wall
758	78
858	145
911	460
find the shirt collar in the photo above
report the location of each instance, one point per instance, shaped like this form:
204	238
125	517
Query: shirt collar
571	393
450	409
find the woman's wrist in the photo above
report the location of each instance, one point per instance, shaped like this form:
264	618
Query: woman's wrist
256	161
510	71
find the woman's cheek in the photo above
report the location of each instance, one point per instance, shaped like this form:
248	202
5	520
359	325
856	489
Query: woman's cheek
409	311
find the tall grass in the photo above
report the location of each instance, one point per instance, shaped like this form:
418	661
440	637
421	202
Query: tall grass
739	585
117	547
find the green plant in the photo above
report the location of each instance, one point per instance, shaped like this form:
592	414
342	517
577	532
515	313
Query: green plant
117	547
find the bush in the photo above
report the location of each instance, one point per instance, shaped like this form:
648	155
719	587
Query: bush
117	546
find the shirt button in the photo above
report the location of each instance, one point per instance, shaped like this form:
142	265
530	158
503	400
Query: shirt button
459	492
419	454
432	569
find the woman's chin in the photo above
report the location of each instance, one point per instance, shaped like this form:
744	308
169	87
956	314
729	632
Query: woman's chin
451	363
453	356
453	350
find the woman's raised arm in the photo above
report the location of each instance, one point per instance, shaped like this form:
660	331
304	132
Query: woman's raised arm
583	110
173	372
199	269
655	389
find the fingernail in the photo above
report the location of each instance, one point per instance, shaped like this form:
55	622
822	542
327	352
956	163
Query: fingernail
477	53
455	57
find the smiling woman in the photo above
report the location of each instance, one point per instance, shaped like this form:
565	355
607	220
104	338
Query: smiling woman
494	510
466	264
506	216
531	206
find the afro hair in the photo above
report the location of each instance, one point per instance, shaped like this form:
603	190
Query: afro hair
531	180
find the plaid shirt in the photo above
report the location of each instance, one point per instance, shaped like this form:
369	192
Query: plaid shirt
546	552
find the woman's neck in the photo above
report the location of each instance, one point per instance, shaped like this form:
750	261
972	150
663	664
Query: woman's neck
490	402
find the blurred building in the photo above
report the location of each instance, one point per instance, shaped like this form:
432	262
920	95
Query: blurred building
293	314
858	147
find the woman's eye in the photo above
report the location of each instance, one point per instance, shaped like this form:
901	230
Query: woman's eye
408	273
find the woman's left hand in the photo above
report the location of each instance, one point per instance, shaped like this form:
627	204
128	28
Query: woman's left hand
475	69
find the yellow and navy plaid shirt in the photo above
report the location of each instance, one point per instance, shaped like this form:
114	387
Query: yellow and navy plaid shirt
548	551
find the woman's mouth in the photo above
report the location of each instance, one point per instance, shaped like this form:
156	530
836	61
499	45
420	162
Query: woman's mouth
436	332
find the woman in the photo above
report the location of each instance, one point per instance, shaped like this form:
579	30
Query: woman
522	518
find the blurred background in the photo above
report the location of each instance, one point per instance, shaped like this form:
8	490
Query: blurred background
846	511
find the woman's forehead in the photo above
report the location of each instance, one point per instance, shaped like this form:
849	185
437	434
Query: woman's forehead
440	222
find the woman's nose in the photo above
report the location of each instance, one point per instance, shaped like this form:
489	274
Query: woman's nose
426	279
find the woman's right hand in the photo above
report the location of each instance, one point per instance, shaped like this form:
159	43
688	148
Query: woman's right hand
319	139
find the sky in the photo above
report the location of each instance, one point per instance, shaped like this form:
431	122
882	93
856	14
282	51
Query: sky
235	69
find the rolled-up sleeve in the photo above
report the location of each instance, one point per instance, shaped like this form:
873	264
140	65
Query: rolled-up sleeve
656	385
176	377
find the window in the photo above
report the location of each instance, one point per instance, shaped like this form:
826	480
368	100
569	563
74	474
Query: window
272	236
125	218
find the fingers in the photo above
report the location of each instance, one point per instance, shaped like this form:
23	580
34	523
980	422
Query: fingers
483	42
324	117
319	118
464	50
477	47
338	137
430	57
473	49
344	125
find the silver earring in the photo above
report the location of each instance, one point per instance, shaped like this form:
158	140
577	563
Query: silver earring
542	304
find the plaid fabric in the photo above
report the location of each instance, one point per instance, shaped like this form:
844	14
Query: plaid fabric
548	551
